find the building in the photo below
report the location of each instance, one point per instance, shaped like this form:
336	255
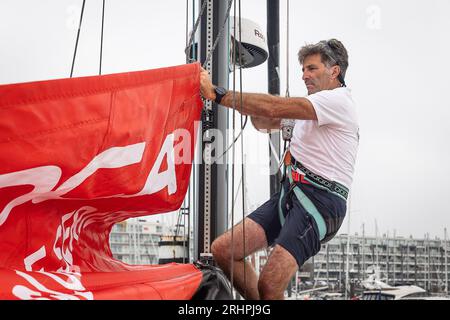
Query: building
138	241
135	241
400	261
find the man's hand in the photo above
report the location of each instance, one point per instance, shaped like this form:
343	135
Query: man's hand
206	86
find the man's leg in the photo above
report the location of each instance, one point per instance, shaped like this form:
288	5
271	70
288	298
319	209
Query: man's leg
278	271
227	254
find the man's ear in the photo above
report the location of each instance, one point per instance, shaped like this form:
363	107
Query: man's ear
336	70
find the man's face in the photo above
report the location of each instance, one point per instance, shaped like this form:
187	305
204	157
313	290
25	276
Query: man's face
316	75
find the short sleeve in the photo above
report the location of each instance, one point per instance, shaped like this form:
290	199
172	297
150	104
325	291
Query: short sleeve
333	108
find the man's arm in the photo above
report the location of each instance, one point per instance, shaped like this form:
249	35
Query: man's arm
260	105
270	107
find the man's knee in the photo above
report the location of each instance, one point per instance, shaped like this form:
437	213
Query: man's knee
219	248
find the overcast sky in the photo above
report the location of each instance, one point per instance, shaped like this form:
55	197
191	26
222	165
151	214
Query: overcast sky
398	73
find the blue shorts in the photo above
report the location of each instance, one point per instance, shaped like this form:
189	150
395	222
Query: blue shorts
300	235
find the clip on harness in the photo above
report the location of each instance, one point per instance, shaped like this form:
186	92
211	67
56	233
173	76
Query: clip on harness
305	202
308	178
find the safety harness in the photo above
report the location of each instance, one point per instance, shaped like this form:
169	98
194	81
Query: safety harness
292	168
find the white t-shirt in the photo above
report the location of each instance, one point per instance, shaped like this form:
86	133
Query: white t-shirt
328	146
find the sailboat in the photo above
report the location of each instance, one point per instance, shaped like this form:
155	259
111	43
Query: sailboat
79	155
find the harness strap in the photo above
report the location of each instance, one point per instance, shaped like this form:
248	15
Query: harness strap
306	203
320	182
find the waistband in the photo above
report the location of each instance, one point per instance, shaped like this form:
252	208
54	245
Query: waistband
319	181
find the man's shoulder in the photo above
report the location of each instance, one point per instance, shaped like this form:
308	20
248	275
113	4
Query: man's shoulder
338	97
335	106
336	93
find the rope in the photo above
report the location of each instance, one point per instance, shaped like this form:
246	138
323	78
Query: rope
235	140
232	159
187	50
242	151
287	125
194	174
101	39
219	35
287	49
78	38
187	24
187	233
243	126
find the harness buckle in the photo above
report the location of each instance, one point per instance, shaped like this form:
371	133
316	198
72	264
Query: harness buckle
298	177
295	176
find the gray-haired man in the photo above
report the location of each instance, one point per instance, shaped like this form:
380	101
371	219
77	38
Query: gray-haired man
312	204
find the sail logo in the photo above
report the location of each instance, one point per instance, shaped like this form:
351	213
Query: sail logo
44	179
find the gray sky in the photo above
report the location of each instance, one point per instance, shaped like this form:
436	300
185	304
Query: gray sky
398	75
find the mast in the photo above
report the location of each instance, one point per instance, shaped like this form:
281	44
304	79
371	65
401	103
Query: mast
376	243
395	254
446	266
342	271
358	259
407	260
415	264
273	42
387	257
328	265
212	189
402	247
347	282
363	250
429	257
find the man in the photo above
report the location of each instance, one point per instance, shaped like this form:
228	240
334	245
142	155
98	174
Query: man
312	205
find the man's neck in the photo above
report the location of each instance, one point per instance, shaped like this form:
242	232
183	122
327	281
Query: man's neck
335	85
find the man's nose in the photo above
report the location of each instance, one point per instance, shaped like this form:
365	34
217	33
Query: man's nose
305	76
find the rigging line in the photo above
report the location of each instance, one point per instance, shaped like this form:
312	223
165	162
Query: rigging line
78	38
243	126
187	30
273	150
177	224
235	140
287	48
101	39
219	35
194	170
184	228
242	151
187	50
186	235
187	23
287	144
233	150
187	216
238	189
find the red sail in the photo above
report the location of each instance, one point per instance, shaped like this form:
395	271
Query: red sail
76	157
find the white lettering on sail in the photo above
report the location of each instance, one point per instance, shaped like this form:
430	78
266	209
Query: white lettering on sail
32	258
157	181
116	157
71	283
68	276
44	179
